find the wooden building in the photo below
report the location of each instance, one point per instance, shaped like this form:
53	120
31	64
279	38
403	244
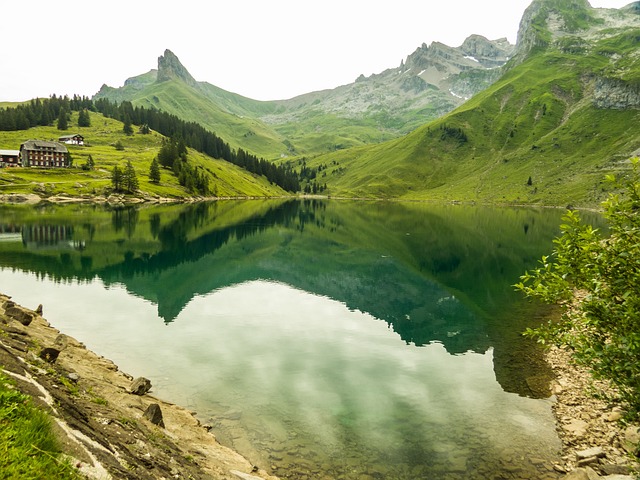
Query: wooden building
9	158
43	154
75	139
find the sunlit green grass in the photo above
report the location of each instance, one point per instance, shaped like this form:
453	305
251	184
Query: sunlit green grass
28	448
535	122
100	139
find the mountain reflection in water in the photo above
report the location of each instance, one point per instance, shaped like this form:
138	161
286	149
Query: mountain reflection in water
288	273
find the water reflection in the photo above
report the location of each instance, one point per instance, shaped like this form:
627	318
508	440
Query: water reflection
298	322
432	273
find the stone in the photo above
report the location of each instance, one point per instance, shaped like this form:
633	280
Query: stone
582	474
24	317
615	469
590	452
583	462
613	416
619	477
631	439
61	342
576	427
244	476
49	354
15	330
74	377
39	310
140	386
153	413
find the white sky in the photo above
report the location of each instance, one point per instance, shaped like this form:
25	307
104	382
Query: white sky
262	49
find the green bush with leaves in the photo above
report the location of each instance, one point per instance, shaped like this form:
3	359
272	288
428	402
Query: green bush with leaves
596	281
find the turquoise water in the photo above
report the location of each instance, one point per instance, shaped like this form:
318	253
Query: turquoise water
320	339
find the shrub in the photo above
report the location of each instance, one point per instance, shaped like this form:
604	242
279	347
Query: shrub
603	328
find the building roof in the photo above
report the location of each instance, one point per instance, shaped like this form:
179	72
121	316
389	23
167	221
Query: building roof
67	137
10	152
42	144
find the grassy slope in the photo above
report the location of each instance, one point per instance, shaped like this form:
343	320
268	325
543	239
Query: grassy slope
192	104
226	179
299	130
28	445
535	122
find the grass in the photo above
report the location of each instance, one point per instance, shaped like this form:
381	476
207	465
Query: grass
225	179
536	121
28	448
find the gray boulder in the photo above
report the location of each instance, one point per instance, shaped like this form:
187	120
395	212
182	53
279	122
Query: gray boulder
140	386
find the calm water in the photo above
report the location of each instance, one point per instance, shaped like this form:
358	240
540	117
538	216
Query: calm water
320	339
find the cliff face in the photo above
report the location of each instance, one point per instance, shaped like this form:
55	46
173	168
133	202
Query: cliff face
170	68
616	94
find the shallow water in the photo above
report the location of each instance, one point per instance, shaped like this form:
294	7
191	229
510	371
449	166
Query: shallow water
320	339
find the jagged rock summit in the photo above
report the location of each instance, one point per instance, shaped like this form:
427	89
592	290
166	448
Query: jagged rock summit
438	63
547	22
170	68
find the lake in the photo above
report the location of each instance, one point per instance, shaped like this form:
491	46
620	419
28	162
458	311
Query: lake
321	339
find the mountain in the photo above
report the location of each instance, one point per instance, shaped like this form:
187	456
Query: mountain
564	113
430	82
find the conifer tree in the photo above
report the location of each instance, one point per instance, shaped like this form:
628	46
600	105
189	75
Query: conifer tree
83	118
127	128
129	178
154	171
116	178
63	123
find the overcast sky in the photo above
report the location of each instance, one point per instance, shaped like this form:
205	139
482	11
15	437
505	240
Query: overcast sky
262	49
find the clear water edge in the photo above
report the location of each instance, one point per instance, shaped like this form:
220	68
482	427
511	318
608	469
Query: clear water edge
308	384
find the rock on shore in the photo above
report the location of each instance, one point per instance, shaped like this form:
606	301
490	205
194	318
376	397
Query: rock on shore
595	442
100	423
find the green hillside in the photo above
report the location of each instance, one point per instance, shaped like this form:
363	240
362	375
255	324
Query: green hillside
547	132
225	179
370	110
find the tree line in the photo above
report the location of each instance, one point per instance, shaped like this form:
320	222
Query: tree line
43	112
199	138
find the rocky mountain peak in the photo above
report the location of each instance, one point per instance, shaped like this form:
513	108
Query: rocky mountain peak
170	68
489	53
555	17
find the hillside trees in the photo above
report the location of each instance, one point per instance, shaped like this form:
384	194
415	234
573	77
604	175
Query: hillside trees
197	137
63	123
129	178
116	178
84	120
124	179
603	327
44	112
154	171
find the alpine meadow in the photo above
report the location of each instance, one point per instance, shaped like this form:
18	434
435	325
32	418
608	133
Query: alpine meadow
430	272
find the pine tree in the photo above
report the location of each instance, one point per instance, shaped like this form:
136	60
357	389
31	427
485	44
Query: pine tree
63	123
89	164
154	171
127	128
116	178
129	178
83	118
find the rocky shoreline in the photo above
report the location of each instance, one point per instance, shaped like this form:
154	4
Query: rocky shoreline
114	199
595	441
112	427
109	425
